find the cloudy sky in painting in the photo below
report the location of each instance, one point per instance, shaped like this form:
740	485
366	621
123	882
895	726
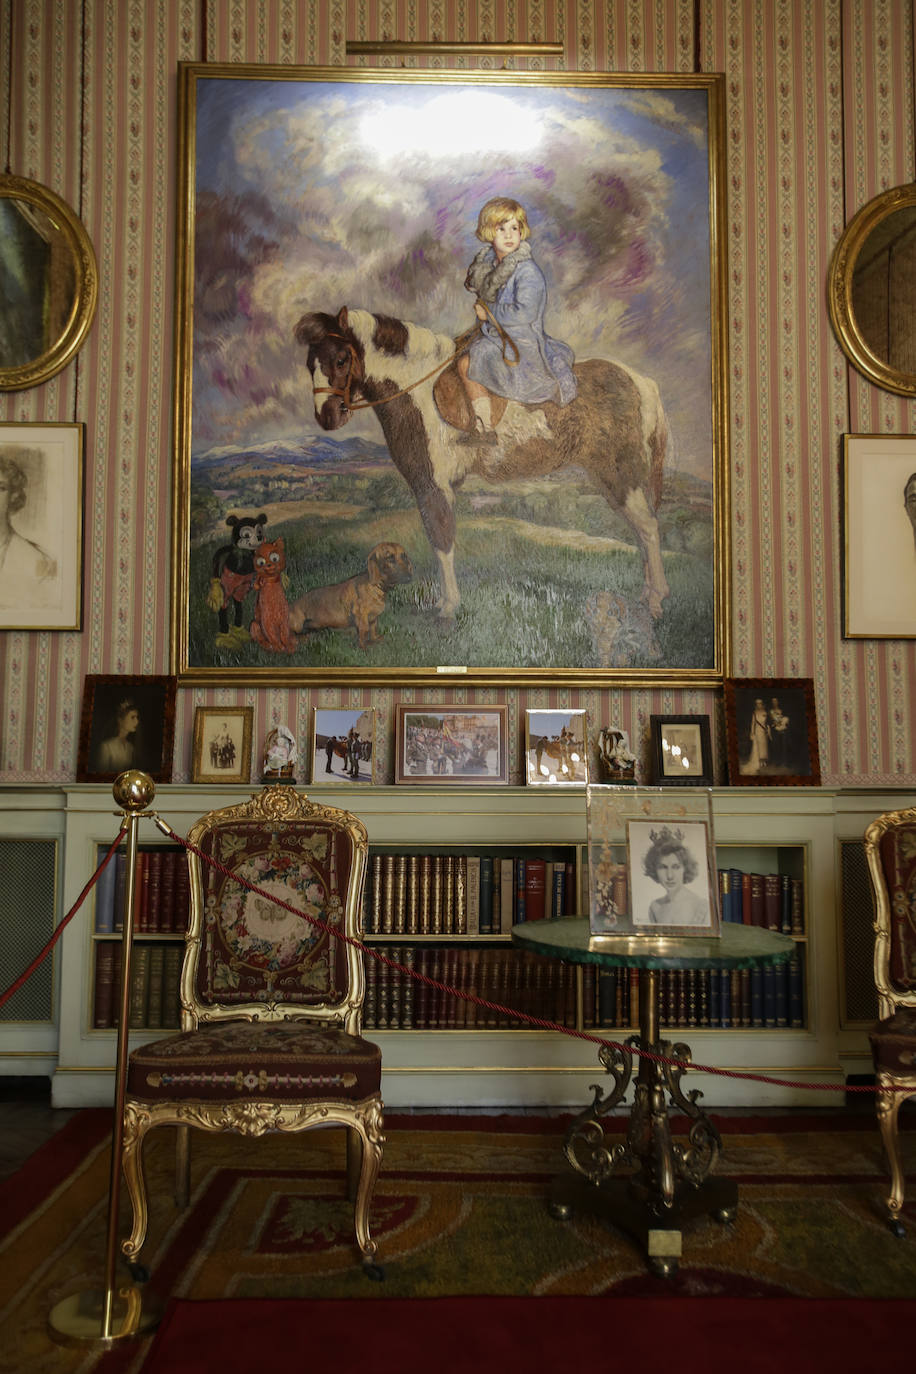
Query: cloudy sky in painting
312	195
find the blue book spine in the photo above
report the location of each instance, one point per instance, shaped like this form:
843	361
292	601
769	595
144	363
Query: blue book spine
486	894
757	997
725	997
559	890
796	986
104	898
785	904
770	976
520	877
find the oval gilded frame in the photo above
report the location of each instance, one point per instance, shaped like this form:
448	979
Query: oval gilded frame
867	224
79	304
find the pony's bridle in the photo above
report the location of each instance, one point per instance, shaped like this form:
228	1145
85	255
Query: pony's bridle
344	391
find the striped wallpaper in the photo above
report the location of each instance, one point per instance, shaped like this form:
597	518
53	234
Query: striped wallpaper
820	117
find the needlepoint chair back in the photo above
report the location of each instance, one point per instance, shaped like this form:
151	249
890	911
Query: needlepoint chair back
271	1000
890	848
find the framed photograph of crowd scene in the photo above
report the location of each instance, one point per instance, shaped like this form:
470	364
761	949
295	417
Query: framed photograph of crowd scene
652	862
344	744
222	744
771	732
126	722
681	752
451	744
879	514
41	526
556	748
567	522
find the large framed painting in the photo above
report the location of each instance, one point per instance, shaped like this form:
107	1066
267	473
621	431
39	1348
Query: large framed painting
451	386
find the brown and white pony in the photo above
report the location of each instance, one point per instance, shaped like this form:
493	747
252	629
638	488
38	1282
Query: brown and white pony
615	431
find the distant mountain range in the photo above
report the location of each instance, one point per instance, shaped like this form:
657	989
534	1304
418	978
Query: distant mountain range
284	453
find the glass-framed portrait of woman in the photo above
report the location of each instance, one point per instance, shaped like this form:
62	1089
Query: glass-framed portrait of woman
127	722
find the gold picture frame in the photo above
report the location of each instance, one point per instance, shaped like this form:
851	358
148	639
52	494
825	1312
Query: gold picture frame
411	554
221	752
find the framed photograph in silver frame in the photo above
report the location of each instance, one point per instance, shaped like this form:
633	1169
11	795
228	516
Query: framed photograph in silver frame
41	526
534	525
344	744
879	518
651	862
556	748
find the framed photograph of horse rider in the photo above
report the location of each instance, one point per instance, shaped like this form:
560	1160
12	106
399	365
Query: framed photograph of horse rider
450	385
344	744
556	748
222	744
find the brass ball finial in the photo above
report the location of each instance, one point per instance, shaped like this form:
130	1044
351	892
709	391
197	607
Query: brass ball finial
133	790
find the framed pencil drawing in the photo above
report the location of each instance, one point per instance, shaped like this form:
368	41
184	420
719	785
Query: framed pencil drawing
126	722
771	732
222	744
429	371
41	526
451	744
879	512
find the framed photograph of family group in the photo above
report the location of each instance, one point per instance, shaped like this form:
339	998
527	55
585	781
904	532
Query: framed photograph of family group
574	541
771	732
451	744
221	752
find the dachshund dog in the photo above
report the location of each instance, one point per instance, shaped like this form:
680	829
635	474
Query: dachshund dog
357	603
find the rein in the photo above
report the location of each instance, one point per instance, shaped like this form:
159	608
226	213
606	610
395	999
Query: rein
461	344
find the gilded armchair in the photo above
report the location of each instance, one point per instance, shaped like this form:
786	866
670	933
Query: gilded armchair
271	1003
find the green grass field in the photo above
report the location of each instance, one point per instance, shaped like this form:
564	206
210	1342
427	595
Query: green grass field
534	594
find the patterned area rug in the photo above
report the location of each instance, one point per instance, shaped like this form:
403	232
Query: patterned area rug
459	1210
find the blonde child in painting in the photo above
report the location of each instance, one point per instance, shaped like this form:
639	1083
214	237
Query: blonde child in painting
512	355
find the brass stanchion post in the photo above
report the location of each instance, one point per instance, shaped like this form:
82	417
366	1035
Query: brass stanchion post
104	1317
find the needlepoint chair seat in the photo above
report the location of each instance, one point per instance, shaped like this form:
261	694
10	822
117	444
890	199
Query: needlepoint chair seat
271	1001
890	847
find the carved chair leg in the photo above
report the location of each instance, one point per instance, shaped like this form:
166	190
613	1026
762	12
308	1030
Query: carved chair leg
371	1140
354	1163
182	1166
136	1124
888	1108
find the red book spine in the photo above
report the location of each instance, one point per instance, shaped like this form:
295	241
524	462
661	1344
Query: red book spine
535	889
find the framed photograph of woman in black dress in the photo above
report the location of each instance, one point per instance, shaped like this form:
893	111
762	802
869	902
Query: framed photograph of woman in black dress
771	732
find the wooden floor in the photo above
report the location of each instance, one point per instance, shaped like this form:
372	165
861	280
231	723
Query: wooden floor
27	1120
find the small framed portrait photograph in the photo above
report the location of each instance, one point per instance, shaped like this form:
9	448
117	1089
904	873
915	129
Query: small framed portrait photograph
343	744
681	753
556	748
451	744
651	862
127	722
41	515
222	744
879	516
771	732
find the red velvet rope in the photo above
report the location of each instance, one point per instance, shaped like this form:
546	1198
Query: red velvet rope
538	1022
39	958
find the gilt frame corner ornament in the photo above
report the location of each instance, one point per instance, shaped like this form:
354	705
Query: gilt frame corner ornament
324	430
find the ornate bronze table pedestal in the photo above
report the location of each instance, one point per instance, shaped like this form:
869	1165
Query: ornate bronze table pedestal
670	1182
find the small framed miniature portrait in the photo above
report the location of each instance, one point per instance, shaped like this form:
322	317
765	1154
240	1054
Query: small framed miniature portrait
651	862
771	732
681	751
451	744
222	744
126	722
556	748
343	744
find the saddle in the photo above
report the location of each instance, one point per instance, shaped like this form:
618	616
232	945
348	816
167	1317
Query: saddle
452	401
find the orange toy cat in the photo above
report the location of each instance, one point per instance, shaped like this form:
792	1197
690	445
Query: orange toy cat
270	627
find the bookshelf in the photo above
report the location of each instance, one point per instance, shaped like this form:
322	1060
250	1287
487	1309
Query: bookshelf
793	832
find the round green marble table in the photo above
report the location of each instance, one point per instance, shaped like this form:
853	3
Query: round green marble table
671	1181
